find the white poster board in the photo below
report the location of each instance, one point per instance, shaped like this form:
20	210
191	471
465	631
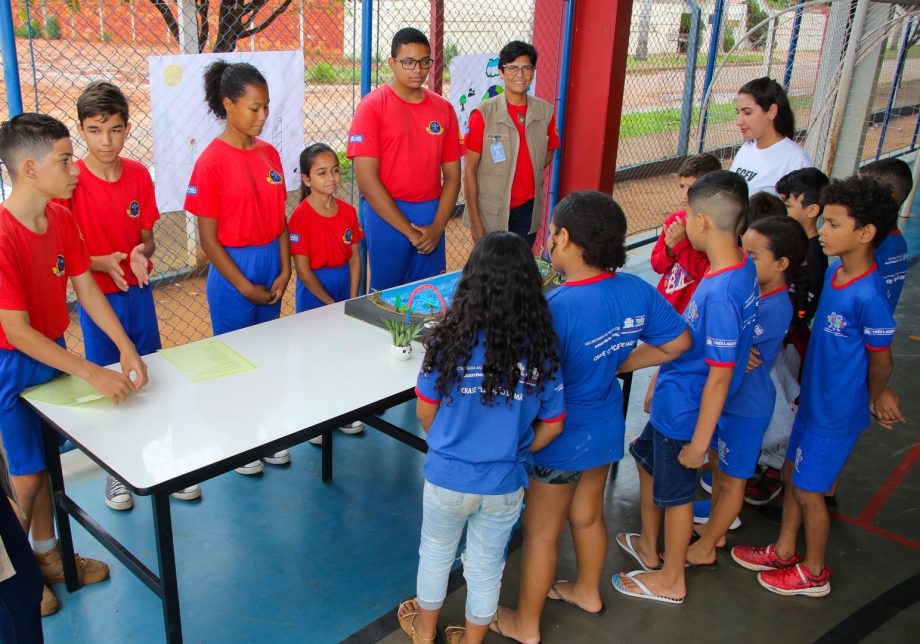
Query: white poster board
183	127
474	79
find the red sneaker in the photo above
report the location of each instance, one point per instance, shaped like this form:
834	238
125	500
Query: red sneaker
757	559
796	580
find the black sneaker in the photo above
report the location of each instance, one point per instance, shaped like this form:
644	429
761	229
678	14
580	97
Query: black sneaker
764	487
117	495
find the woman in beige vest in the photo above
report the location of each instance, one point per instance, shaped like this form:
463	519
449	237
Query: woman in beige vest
507	147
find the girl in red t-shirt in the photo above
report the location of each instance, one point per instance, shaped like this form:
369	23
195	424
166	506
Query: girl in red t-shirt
324	234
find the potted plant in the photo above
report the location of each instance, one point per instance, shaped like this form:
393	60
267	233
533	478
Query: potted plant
402	333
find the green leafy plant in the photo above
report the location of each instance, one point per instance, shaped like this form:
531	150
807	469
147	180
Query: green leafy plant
53	28
27	28
756	15
451	50
323	73
345	166
728	41
402	332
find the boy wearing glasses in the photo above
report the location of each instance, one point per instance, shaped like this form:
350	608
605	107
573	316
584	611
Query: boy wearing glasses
405	144
507	147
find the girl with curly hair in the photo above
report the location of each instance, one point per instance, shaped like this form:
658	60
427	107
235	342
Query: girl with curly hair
489	394
600	315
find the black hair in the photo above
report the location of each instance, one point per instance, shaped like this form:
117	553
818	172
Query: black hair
804	183
786	238
698	165
307	158
102	98
723	196
408	36
228	80
767	92
29	134
499	296
514	50
866	200
894	173
597	225
762	205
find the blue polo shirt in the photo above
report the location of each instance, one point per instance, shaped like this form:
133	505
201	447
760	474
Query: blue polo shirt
757	395
721	319
891	257
599	321
484	449
852	319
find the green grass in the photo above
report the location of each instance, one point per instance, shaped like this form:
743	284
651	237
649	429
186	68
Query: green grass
668	119
913	52
326	74
657	62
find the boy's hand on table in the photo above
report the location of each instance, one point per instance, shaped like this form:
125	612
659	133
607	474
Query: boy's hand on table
131	362
139	264
115	386
886	409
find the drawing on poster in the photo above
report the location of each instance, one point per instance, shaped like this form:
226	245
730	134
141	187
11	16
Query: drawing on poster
183	126
477	75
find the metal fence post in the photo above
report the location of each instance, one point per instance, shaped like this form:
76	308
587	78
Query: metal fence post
367	28
710	67
686	109
898	70
562	93
10	61
793	45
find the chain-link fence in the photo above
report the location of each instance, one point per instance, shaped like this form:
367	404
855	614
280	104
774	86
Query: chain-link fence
679	53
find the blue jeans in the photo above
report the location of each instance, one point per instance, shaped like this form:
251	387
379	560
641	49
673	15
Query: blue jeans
489	520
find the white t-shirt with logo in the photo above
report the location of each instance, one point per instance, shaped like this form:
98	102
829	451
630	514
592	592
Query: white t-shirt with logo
762	168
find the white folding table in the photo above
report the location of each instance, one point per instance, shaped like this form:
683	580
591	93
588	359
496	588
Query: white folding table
314	372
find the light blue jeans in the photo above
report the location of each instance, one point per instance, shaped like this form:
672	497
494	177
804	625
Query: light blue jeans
489	519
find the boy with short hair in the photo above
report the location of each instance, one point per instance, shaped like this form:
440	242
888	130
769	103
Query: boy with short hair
40	247
851	339
891	255
403	140
692	390
681	266
115	207
764	204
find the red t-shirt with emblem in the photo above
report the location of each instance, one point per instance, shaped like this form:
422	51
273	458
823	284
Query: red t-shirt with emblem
112	214
242	189
327	241
411	141
34	269
523	184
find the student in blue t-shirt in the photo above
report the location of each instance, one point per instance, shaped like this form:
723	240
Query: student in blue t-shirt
489	393
600	316
891	254
777	246
692	390
844	384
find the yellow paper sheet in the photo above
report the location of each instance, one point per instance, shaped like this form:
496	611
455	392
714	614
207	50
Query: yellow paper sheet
66	390
206	359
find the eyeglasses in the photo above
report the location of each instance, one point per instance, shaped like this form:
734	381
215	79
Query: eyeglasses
514	70
411	63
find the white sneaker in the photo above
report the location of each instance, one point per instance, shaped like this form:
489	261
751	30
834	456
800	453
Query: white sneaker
189	493
316	441
278	458
255	467
117	495
352	428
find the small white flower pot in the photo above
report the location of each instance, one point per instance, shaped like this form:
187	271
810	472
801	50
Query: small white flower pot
400	353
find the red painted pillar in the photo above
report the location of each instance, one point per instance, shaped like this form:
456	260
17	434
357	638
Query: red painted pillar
597	74
436	37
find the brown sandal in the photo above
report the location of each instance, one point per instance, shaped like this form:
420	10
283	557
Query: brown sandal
407	621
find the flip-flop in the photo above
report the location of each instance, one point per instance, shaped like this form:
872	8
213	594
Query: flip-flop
627	547
496	628
645	593
562	598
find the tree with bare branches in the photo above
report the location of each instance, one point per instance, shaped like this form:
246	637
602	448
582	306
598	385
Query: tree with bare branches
236	19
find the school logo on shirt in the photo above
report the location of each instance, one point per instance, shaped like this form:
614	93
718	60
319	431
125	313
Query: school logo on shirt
58	268
273	178
835	324
294	237
692	314
348	236
192	190
434	128
632	323
356	138
134	210
758	330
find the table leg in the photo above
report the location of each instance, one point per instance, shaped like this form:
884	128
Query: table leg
327	455
166	558
53	464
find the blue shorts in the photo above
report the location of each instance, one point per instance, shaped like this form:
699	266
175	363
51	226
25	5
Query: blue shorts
737	440
817	460
336	280
672	483
229	309
393	260
135	310
20	427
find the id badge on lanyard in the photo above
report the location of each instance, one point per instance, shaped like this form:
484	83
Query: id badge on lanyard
497	148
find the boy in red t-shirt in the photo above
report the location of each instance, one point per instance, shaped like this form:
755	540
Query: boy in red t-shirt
115	208
40	247
404	139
